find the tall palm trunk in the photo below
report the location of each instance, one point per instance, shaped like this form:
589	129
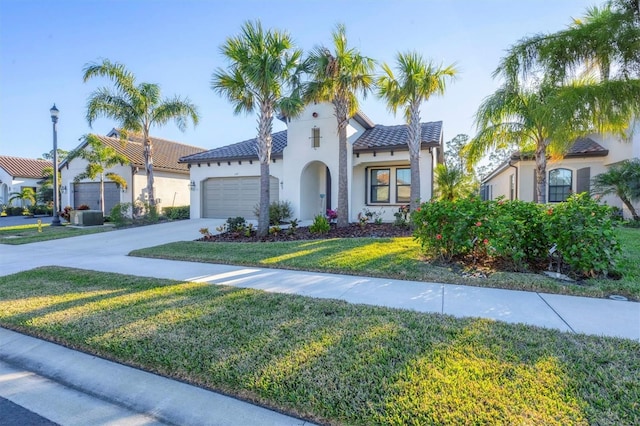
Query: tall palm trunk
264	142
147	153
341	110
630	206
102	193
541	171
414	138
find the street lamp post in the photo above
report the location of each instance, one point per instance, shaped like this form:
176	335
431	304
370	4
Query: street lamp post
56	199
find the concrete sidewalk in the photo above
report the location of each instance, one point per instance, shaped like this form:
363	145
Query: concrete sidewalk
108	252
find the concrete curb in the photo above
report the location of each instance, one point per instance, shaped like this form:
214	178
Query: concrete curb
165	399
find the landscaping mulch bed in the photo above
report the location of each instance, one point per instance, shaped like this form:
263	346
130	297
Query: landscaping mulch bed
373	230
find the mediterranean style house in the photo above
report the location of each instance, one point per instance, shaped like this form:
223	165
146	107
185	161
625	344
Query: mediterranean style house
586	158
171	179
18	173
304	168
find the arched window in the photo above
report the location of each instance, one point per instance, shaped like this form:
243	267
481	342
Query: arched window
560	184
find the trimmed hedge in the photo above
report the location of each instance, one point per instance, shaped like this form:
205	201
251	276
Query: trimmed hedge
177	213
520	233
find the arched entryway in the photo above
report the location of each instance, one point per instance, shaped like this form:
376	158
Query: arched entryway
315	190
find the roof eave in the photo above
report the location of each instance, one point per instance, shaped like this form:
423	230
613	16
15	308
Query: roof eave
186	160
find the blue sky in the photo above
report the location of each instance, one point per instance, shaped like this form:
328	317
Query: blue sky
44	46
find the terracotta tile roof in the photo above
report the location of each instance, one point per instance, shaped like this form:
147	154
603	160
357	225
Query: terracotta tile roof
165	153
392	136
375	137
24	167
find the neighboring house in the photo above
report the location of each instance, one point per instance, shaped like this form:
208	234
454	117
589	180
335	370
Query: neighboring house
171	179
17	173
304	168
587	157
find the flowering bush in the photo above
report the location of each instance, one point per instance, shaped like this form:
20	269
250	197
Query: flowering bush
332	215
520	233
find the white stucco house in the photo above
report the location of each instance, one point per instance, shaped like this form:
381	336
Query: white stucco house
171	179
587	157
304	168
17	173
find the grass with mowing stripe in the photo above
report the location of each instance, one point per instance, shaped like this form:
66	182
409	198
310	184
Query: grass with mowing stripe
328	360
397	258
25	234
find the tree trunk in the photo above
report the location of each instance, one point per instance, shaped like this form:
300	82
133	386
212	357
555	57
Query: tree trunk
632	209
102	193
343	171
264	142
148	165
414	139
541	168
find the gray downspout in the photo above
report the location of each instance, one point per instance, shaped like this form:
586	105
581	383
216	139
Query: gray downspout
516	188
433	166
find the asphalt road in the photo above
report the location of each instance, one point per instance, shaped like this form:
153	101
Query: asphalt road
13	414
23	220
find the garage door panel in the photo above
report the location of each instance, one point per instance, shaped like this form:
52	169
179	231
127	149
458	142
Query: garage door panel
234	196
89	193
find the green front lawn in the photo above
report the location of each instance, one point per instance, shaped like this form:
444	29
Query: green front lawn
395	258
24	234
330	361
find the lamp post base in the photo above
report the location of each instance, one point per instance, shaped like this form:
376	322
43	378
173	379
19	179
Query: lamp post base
56	221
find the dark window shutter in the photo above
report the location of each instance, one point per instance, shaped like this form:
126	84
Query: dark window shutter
583	179
535	186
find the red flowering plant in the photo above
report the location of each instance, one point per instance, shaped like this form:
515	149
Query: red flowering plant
508	230
332	215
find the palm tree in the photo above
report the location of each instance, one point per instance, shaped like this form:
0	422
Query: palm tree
606	36
337	78
136	108
546	119
25	194
452	183
263	66
99	158
622	180
417	81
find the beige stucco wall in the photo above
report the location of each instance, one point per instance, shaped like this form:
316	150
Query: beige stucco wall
170	188
500	181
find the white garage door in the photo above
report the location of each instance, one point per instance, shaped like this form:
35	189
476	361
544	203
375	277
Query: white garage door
234	196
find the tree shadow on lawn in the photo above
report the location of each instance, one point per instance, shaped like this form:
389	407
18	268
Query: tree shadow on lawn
332	361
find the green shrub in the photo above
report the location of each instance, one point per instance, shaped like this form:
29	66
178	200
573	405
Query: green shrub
236	223
177	213
40	209
279	212
120	214
14	211
583	232
293	227
520	233
320	225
